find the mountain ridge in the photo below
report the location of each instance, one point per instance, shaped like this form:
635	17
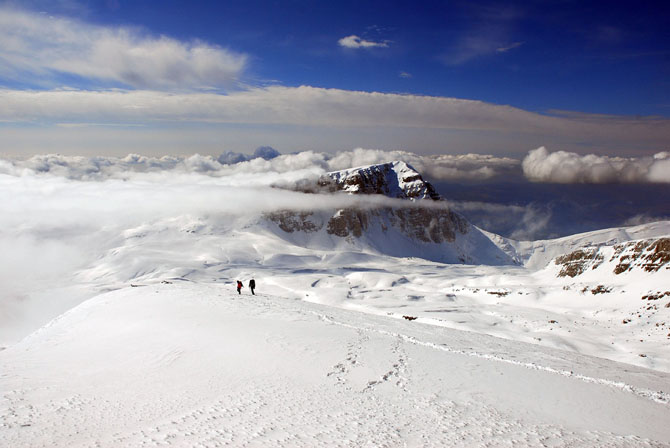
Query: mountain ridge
435	233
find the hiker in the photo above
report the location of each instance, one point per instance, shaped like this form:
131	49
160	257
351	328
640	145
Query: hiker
252	286
239	287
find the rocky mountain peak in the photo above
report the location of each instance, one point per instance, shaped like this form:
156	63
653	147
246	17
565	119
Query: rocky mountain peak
393	179
435	232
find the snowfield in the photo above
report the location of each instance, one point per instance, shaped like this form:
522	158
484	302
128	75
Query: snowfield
192	364
120	324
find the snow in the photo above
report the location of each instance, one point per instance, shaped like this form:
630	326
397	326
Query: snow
120	326
399	180
537	254
194	364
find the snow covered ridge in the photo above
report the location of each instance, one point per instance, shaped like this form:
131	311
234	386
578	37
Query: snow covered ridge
651	255
433	233
538	254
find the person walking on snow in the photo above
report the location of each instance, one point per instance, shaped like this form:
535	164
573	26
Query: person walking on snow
239	287
252	286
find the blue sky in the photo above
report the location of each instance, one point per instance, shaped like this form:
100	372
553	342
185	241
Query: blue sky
572	75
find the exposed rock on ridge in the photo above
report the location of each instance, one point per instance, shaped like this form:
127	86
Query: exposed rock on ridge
650	255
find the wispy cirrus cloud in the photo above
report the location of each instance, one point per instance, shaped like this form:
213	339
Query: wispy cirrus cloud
356	42
37	47
489	31
506	48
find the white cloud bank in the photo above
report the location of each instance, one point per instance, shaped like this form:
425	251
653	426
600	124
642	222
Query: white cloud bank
538	166
354	41
267	164
461	167
567	167
35	44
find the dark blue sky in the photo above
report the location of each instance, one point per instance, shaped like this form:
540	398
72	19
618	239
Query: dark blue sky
597	57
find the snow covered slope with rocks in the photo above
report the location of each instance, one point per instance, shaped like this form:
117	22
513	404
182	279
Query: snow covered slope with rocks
179	363
537	254
417	224
120	324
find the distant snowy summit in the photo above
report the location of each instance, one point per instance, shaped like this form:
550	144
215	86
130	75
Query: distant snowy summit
393	179
419	225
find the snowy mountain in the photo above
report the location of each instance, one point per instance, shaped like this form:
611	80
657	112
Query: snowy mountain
417	224
393	179
123	327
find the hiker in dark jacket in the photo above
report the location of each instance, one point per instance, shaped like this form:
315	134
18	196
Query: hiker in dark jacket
252	286
239	287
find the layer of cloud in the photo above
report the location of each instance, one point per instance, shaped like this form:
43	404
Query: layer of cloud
519	222
538	166
265	161
567	167
35	45
462	167
327	108
356	42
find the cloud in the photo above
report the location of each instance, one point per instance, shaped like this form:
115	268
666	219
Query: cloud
643	218
52	197
538	166
265	161
405	75
263	152
469	48
488	31
332	109
37	47
461	167
354	41
519	222
506	48
567	167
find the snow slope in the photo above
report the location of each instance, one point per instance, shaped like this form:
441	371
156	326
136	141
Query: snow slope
537	254
345	345
190	364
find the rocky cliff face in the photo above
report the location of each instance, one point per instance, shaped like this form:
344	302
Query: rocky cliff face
396	180
649	255
429	226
